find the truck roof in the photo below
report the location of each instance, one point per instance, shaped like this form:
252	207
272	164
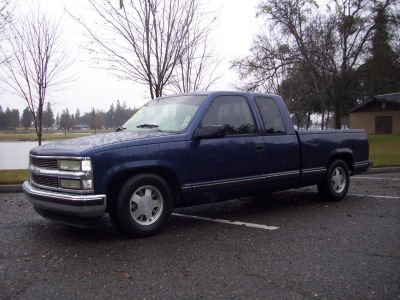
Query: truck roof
222	92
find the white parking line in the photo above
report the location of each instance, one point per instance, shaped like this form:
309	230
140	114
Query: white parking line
374	196
374	178
227	222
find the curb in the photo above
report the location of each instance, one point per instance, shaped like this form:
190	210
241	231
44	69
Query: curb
11	188
383	170
17	188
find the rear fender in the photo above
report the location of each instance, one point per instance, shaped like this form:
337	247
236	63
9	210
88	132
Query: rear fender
344	154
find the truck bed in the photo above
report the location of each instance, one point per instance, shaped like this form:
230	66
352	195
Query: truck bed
318	148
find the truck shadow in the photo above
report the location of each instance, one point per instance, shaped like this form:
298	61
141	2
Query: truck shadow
256	209
269	204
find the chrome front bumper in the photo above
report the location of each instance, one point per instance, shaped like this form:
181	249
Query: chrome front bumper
81	206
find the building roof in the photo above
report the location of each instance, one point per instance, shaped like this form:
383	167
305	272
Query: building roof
393	98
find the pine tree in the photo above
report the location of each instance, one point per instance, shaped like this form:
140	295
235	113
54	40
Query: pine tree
2	119
48	116
382	70
27	118
78	116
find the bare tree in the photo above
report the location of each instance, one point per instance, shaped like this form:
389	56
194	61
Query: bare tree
197	67
66	121
327	45
291	44
5	19
5	16
143	40
96	120
36	62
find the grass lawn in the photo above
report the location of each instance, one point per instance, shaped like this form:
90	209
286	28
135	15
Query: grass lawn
385	150
46	136
13	176
33	137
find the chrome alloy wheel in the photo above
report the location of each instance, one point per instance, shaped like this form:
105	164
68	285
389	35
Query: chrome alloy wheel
339	180
146	205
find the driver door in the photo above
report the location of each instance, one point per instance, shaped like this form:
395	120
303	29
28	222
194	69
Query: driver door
237	157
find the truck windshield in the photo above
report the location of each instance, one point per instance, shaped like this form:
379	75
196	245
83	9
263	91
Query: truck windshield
172	114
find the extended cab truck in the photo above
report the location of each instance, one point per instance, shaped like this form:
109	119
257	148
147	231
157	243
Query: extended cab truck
185	150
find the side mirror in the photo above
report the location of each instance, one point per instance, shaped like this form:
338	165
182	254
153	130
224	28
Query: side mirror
209	132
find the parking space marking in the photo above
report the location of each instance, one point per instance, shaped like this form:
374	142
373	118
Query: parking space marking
227	222
374	178
375	196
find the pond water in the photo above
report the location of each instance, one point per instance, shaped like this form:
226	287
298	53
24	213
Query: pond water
15	155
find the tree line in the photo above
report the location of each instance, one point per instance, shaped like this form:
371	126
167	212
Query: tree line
114	117
322	57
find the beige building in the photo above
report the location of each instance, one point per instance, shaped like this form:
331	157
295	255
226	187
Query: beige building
379	115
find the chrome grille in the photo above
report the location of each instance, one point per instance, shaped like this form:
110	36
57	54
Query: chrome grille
45	180
46	163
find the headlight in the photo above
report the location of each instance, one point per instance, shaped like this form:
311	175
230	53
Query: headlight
70	184
70	165
75	165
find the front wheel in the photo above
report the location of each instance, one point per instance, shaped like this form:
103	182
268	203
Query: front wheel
143	206
336	182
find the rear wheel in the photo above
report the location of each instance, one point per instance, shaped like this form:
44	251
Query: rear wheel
143	205
336	182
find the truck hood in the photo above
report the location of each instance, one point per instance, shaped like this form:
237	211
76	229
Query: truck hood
76	146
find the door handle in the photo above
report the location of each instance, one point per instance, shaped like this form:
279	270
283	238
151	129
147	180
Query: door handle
259	147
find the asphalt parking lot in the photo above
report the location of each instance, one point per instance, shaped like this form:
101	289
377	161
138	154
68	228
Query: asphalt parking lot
288	245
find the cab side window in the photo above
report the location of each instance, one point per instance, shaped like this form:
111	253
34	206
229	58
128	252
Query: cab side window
272	118
233	112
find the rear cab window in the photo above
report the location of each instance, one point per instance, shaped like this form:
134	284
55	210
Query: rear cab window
271	115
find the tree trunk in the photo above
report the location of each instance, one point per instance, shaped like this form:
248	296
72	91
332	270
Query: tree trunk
308	120
338	116
327	120
323	119
40	117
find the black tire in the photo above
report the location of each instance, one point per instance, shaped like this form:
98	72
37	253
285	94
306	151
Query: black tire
143	205
336	183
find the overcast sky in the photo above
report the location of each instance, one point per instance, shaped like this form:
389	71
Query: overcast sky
234	30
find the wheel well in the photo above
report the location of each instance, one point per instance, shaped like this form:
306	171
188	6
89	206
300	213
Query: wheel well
346	157
117	181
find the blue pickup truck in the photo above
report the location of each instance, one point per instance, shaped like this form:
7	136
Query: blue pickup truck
186	150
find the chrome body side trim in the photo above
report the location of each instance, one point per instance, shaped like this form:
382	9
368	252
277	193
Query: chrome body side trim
314	171
361	166
282	175
225	183
235	181
363	163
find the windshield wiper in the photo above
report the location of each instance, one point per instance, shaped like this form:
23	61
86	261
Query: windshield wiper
147	126
120	129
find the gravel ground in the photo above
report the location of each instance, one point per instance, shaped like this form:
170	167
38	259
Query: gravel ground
321	250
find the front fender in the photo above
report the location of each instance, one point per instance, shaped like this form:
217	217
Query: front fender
172	156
